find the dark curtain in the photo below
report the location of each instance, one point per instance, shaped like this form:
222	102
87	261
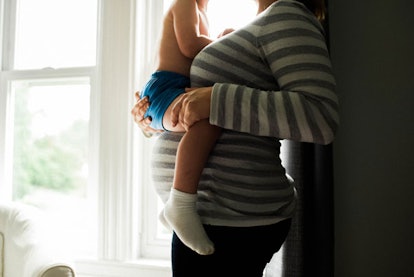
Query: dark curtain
309	248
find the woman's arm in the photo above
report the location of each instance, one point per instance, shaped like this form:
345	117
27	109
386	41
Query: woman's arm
305	106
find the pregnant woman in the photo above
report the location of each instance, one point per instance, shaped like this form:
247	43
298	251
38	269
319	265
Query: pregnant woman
268	81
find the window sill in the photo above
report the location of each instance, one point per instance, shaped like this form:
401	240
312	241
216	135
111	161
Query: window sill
141	267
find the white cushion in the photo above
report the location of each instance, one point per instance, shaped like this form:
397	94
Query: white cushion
27	251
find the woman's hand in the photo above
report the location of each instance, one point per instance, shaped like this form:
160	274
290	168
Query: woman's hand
138	112
191	107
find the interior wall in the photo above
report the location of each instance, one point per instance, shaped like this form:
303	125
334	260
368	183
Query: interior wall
372	48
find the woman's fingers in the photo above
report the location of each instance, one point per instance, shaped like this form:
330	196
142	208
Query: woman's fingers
143	106
184	114
192	106
140	108
176	110
138	113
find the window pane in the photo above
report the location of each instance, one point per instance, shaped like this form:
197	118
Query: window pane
50	156
55	33
219	19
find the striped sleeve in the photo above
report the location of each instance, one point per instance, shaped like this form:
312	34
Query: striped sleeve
304	107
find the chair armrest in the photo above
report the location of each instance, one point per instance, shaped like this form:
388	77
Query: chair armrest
58	270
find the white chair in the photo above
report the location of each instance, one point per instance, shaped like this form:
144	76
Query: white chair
24	249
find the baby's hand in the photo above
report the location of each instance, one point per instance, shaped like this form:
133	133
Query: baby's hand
225	32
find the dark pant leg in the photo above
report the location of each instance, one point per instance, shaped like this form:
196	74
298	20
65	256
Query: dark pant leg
239	251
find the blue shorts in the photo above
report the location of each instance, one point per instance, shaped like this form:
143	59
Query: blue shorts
162	89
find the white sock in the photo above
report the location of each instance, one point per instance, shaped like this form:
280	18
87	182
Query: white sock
181	214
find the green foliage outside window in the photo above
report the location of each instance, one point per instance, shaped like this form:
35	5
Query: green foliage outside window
49	162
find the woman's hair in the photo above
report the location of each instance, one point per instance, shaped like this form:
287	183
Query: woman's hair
317	7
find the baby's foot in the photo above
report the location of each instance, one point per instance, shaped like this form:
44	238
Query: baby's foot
181	214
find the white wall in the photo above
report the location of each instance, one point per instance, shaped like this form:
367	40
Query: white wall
372	44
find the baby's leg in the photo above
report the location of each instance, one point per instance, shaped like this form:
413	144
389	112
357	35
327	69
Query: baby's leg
180	210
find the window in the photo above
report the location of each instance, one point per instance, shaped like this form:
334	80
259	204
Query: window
67	141
50	155
55	33
48	78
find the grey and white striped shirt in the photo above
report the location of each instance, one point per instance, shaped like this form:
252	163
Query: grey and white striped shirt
272	80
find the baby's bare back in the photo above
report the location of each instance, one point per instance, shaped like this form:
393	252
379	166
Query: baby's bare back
170	57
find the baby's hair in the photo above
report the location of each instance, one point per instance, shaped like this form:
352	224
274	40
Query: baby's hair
317	7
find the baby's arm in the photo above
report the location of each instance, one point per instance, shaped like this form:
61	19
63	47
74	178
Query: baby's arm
188	26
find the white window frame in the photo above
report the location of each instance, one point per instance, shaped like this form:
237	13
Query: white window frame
127	33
